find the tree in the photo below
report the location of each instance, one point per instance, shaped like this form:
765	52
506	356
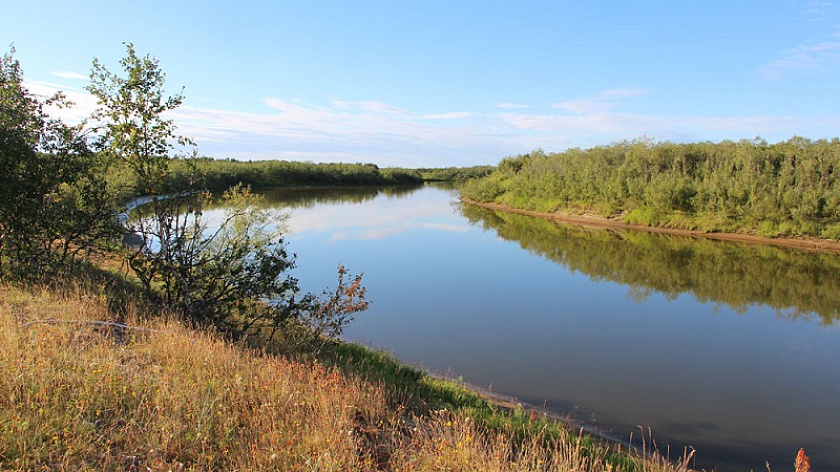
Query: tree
53	201
231	273
131	109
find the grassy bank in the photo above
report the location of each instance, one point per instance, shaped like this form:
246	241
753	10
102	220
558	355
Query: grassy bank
77	395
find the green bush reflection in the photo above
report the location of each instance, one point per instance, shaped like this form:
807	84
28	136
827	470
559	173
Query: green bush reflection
797	284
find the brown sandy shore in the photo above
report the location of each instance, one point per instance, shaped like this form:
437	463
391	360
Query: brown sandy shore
811	244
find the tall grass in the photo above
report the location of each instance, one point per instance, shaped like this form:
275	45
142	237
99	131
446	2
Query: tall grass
77	395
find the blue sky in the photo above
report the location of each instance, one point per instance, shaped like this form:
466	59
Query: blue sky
440	83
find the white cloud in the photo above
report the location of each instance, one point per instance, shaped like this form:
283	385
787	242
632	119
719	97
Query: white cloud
83	103
511	105
366	131
603	127
70	75
603	101
819	11
810	56
369	105
448	116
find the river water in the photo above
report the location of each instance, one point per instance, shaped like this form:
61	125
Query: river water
731	349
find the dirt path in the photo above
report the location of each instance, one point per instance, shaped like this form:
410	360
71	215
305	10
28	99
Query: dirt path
812	244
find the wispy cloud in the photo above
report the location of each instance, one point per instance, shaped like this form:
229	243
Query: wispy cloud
455	115
809	56
819	11
603	127
368	131
511	105
83	103
69	75
369	106
605	100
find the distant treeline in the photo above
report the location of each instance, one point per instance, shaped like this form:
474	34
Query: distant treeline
785	189
222	174
455	174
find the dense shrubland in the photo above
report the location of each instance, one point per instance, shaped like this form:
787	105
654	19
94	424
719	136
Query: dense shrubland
54	205
455	174
790	188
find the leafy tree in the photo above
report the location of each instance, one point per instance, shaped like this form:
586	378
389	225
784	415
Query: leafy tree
53	201
134	132
228	269
132	109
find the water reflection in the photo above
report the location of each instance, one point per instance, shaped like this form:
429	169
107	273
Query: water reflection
340	214
796	284
692	353
308	197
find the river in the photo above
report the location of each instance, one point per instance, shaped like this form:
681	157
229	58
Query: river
730	349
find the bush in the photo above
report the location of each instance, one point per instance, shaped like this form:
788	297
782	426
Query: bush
231	274
53	201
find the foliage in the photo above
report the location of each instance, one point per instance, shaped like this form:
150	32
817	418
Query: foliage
221	174
131	109
787	189
225	173
230	273
314	322
229	270
212	274
455	174
53	202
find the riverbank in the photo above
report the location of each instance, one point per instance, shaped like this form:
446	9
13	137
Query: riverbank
811	244
79	394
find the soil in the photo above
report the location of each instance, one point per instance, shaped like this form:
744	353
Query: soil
811	244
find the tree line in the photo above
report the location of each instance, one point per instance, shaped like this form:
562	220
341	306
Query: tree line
454	174
786	189
221	174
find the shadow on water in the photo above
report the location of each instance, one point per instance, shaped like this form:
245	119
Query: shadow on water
797	284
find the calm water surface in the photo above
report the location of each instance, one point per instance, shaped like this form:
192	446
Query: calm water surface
731	349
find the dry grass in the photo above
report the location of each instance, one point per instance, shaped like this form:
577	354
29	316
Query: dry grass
87	397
